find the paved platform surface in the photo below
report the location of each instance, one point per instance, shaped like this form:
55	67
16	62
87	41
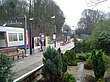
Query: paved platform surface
27	64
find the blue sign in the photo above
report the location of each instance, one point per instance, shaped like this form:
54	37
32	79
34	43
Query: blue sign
42	38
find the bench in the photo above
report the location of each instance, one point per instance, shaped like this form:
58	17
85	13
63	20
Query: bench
12	52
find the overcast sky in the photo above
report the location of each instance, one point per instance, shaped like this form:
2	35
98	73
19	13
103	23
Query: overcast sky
72	9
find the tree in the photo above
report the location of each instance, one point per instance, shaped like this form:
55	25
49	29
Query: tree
11	8
100	38
5	68
43	11
88	21
53	65
95	2
40	10
98	64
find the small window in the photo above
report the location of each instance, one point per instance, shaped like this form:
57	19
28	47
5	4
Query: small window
12	36
2	36
20	37
15	37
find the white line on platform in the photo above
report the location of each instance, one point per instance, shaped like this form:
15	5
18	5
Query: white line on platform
28	73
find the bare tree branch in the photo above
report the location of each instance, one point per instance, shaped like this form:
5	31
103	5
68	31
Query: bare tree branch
94	3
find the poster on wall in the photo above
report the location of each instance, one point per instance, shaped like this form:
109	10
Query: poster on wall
36	42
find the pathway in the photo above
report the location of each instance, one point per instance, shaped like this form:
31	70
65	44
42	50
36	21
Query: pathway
79	72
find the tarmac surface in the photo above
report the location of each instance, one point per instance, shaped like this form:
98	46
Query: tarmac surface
26	64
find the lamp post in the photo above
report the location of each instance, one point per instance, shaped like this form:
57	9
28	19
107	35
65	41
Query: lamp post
25	27
54	34
31	19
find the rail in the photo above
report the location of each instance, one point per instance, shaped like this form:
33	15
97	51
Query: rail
27	74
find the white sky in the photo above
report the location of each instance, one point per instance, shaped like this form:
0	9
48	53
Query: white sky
72	9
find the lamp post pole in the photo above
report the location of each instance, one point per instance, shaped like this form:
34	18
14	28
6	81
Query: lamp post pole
54	38
54	34
31	19
25	26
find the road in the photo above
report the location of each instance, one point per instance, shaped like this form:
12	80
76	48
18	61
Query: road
25	65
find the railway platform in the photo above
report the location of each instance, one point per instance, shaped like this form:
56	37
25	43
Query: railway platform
22	66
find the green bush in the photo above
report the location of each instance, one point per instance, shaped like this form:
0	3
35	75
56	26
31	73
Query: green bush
88	64
53	65
100	38
82	56
64	63
83	46
70	58
68	78
5	68
98	63
107	61
103	42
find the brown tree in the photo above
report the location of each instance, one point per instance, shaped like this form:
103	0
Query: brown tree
89	20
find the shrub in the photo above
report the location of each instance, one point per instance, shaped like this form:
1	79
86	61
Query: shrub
100	37
70	58
5	68
82	56
103	42
88	64
98	64
83	46
107	61
64	63
53	65
68	78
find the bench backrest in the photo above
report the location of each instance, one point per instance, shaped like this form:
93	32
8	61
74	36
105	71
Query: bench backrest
9	50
